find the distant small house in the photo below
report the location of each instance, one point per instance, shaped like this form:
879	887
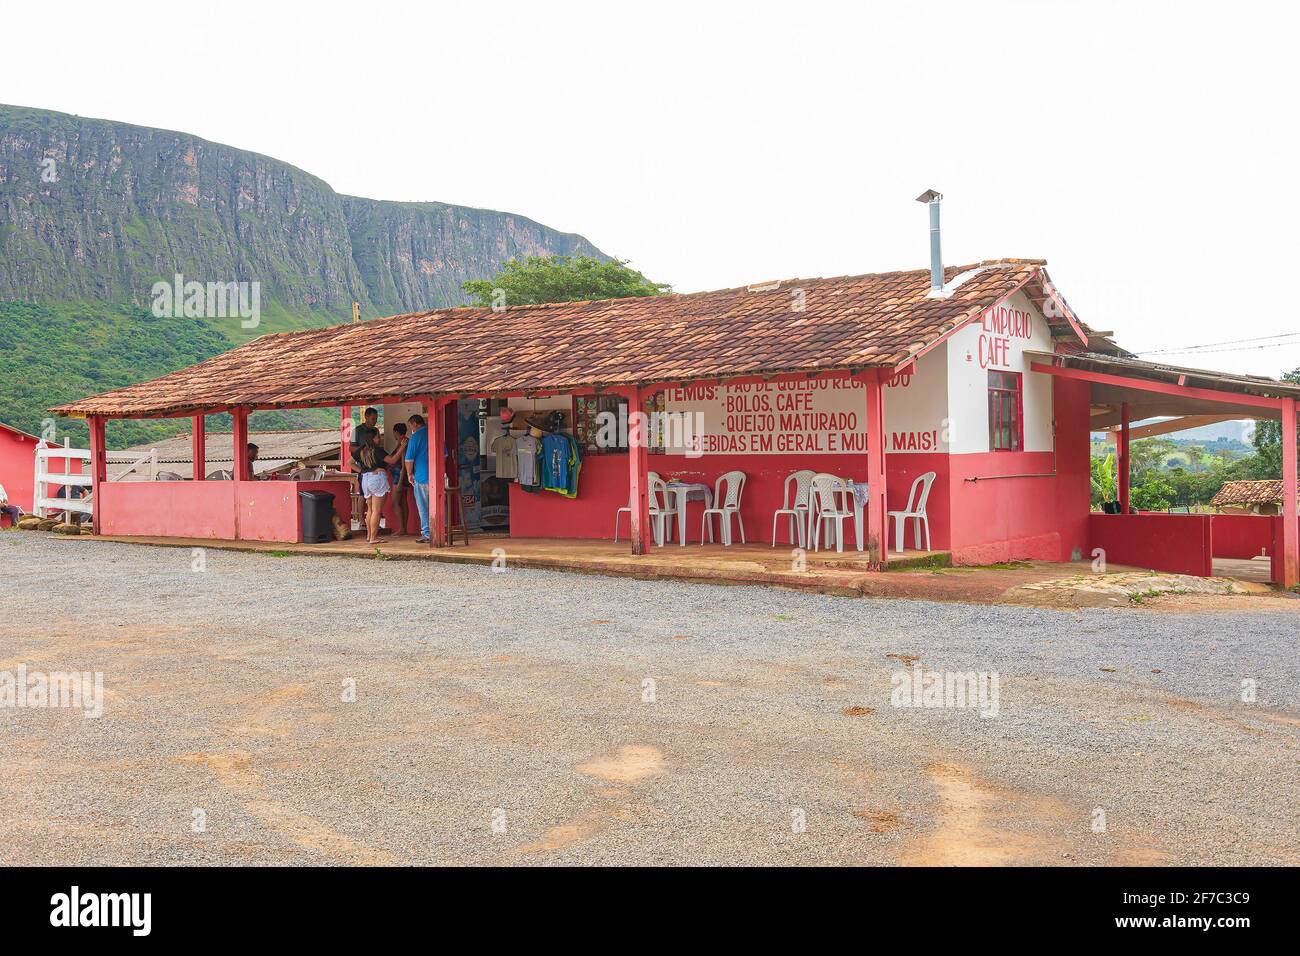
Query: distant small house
278	453
1249	497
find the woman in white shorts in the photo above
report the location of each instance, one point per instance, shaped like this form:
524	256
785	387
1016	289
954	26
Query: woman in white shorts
373	466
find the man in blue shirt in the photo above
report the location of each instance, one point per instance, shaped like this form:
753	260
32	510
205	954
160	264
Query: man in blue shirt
417	469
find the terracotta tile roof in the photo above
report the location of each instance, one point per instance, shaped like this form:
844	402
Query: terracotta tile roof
846	322
1249	493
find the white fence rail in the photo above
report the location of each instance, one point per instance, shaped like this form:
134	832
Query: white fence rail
151	456
45	489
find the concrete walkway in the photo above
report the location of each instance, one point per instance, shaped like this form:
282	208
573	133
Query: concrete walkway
912	574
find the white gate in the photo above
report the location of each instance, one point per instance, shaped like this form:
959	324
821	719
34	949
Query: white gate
45	488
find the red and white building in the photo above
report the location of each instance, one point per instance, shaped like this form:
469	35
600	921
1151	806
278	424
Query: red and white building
17	464
989	381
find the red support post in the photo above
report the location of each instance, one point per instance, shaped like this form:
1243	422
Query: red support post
243	468
198	448
1290	528
98	470
877	518
638	465
436	423
345	438
1124	468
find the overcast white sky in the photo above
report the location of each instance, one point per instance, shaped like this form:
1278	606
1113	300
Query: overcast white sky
1146	150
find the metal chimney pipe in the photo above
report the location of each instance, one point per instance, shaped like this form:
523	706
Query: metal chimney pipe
933	198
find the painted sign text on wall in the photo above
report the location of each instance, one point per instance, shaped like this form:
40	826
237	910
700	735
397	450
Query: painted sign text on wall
999	326
775	418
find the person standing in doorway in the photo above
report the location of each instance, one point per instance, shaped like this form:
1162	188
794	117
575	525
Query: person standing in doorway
417	471
367	430
397	475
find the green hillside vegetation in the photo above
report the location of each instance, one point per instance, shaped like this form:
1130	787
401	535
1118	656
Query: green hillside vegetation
54	353
93	212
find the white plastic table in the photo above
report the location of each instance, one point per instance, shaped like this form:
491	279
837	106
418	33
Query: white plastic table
683	492
847	488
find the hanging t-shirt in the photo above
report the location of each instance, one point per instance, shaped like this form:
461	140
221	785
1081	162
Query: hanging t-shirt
527	450
575	467
503	447
559	464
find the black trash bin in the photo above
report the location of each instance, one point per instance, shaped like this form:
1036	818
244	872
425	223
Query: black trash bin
317	516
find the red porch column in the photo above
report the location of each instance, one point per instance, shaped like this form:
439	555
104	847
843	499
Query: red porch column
1123	464
98	470
436	423
877	527
345	438
243	468
638	470
1290	530
199	448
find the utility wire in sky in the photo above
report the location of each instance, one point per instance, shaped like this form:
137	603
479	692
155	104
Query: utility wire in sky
1212	347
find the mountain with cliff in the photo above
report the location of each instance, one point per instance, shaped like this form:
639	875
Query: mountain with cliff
93	213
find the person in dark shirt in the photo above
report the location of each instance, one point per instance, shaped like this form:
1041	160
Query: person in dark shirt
397	478
367	430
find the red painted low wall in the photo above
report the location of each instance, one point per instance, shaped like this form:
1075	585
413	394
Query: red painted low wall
171	509
1178	544
228	510
270	510
1243	536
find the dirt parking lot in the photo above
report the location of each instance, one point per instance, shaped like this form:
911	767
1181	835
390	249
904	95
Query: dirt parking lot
530	717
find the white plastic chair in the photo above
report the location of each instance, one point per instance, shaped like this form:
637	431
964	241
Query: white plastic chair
797	508
221	474
168	476
657	492
308	473
661	509
915	512
726	502
826	498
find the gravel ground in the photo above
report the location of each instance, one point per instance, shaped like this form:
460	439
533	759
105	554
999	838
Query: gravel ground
506	718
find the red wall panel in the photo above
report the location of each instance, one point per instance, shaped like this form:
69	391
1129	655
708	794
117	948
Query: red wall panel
177	509
271	511
1242	536
18	466
1178	544
268	510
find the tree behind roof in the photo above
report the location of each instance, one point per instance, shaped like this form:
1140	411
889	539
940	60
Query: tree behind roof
539	279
